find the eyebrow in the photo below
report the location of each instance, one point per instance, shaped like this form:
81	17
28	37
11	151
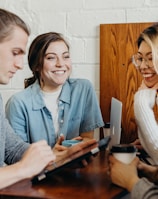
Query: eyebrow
20	49
146	53
55	53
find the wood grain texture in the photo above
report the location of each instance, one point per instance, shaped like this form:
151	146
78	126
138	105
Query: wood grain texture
91	182
118	76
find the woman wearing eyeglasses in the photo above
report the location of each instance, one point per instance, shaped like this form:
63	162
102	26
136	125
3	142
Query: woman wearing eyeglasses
146	61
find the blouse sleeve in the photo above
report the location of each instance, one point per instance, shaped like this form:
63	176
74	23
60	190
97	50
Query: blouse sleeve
144	101
92	117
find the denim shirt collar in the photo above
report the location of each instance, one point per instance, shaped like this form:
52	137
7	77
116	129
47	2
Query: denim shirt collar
38	102
65	95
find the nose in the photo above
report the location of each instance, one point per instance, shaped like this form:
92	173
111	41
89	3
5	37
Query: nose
60	62
19	63
143	65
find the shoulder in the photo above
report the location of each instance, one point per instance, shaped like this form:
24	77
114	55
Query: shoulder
25	94
21	96
145	94
78	87
79	82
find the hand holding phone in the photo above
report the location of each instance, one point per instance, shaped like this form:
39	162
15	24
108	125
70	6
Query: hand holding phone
73	155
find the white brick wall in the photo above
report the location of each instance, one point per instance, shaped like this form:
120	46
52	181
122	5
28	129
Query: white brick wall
79	21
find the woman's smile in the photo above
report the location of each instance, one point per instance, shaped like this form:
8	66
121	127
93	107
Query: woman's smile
59	72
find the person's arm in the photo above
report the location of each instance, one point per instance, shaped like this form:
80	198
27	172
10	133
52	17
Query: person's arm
144	189
144	101
92	117
87	135
125	175
34	160
137	144
149	171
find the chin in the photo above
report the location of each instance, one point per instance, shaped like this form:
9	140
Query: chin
150	85
4	82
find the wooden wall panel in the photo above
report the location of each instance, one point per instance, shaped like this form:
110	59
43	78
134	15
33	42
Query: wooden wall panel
118	76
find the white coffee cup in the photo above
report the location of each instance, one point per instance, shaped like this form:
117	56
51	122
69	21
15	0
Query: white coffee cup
124	152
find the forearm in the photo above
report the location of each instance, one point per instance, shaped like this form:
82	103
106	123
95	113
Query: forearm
33	161
11	174
87	135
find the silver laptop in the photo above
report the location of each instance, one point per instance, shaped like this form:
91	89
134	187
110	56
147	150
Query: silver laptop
115	121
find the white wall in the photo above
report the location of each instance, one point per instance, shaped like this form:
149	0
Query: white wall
79	21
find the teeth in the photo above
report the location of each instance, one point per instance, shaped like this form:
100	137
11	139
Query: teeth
147	75
59	72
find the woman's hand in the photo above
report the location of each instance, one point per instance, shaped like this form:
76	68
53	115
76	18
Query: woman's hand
70	152
137	144
58	146
149	171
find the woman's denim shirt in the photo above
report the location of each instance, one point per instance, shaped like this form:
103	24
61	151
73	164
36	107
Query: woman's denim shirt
79	112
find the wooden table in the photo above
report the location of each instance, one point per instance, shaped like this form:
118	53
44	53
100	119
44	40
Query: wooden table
91	182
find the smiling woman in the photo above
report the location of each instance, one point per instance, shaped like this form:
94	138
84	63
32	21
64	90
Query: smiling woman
57	67
145	100
143	62
53	103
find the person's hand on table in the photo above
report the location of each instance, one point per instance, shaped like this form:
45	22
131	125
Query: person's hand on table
124	175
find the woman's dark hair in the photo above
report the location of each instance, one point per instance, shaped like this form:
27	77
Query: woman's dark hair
37	53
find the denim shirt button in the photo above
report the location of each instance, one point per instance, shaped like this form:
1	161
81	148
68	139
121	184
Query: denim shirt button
61	121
